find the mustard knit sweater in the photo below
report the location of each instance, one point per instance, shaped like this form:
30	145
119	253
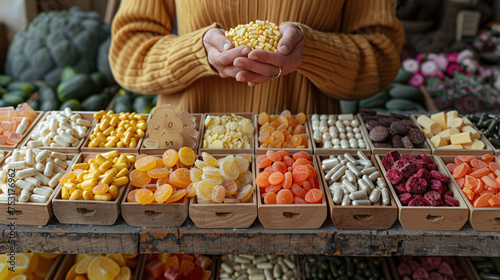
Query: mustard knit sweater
351	52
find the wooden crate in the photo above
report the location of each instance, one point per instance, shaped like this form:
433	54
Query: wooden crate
481	219
226	151
26	133
86	149
225	215
386	272
427	217
86	212
323	151
463	262
426	148
293	216
67	264
260	151
359	217
153	215
447	152
159	151
72	150
31	213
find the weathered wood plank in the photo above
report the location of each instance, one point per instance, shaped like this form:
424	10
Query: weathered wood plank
121	238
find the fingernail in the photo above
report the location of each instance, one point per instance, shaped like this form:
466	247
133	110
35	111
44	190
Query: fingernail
238	63
245	50
226	46
241	78
284	48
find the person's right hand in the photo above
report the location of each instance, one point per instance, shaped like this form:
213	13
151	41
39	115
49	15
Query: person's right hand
221	52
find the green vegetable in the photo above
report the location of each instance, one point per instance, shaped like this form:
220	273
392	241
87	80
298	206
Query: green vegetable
405	92
78	87
57	39
378	100
400	104
21	86
35	104
95	102
49	105
142	105
68	73
12	99
2	103
2	91
122	104
489	276
73	104
46	92
403	76
99	80
5	80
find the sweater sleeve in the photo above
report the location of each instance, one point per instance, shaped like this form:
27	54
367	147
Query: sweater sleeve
146	57
362	59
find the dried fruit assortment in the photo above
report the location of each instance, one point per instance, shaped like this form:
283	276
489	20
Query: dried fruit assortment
287	179
341	133
323	267
98	177
355	181
479	179
123	130
162	180
449	131
392	131
103	267
14	123
417	181
36	174
258	267
227	132
27	266
59	129
223	180
432	268
282	131
177	267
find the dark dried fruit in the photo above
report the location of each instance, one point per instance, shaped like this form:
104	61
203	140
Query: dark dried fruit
419	201
432	166
371	124
416	185
400	127
401	187
394	176
445	269
392	156
416	136
379	134
435	276
407	170
420	274
434	198
386	164
424	174
396	142
407	142
404	270
405	198
435	262
438	187
449	200
440	176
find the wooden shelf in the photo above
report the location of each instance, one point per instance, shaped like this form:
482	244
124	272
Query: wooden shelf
122	238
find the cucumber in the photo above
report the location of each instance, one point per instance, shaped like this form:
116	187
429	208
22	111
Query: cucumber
95	102
67	73
73	104
12	99
49	105
46	93
19	93
378	100
400	104
405	92
78	87
403	76
22	86
2	91
99	80
2	103
35	104
142	105
5	80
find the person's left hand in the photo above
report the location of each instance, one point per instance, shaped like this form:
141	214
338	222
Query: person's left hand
260	65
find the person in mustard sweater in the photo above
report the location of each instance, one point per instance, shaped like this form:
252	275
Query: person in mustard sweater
329	51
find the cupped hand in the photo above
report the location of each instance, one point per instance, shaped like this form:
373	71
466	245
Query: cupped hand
221	52
260	66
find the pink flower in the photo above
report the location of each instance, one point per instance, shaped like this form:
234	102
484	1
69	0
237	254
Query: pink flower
452	67
438	74
417	79
468	73
465	54
441	62
428	67
411	65
452	57
421	57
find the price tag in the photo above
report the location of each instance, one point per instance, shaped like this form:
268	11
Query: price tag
151	143
164	112
155	128
172	124
173	141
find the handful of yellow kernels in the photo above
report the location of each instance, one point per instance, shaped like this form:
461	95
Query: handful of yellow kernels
227	132
123	130
258	35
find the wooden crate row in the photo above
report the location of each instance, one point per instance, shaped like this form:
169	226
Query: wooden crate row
242	215
313	147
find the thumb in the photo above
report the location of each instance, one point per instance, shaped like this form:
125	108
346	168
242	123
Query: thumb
291	36
220	41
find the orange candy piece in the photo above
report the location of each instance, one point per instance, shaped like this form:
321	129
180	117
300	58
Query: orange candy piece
145	163
270	198
131	196
284	197
314	196
139	178
144	196
163	193
100	189
180	178
176	196
276	178
157	173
